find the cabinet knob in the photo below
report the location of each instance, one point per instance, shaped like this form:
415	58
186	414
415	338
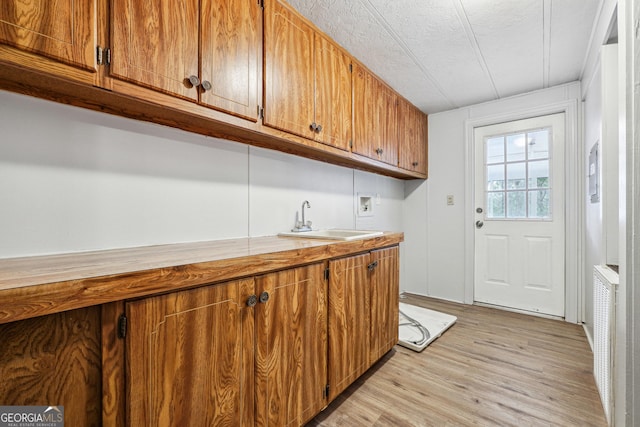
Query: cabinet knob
379	151
264	297
319	129
194	80
206	85
314	126
252	300
414	164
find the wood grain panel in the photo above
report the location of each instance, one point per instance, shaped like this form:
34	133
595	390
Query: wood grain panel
492	368
385	289
155	43
291	349
387	119
333	101
61	29
54	360
289	69
231	33
36	286
185	358
113	367
412	137
349	321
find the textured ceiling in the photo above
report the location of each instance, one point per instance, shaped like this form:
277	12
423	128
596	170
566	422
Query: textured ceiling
445	54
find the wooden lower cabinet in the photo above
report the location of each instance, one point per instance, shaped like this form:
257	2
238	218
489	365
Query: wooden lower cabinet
54	360
363	314
209	356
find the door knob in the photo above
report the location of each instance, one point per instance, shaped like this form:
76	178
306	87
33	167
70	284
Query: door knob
479	224
264	297
194	80
252	300
206	85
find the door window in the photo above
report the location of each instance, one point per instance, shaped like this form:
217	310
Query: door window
518	175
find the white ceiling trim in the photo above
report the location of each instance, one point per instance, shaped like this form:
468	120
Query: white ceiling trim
464	20
546	40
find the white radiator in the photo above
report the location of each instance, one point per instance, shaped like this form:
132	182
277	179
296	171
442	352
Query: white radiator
605	281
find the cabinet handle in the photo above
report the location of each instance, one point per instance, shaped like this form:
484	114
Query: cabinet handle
373	265
314	126
319	129
379	151
252	300
194	80
264	297
206	85
414	164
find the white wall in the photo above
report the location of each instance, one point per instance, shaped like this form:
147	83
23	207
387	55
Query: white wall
75	180
445	240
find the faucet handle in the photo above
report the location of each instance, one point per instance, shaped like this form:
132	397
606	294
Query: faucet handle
308	224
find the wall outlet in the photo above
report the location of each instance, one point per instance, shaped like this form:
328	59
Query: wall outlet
450	200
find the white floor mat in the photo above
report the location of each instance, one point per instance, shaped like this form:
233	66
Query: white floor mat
411	336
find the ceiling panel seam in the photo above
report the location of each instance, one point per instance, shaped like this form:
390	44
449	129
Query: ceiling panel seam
378	16
594	28
546	42
464	20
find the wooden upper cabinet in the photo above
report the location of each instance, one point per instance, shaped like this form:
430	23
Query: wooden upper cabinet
64	30
333	94
375	112
307	79
160	44
412	137
291	346
189	358
231	35
155	44
288	59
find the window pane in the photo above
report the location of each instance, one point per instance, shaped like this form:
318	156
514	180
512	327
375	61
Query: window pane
495	177
539	174
515	147
539	206
495	205
516	206
495	150
538	143
516	176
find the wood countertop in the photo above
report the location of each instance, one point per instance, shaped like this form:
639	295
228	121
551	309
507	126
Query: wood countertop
36	286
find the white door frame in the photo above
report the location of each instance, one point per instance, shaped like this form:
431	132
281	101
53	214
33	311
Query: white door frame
574	198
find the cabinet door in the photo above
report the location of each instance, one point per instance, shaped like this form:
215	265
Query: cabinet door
291	346
230	49
63	30
374	116
412	137
384	301
155	43
189	358
349	318
333	94
288	59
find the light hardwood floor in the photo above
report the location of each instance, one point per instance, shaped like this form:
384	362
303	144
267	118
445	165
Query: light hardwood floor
492	368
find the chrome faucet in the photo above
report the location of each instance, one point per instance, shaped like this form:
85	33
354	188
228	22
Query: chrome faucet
303	225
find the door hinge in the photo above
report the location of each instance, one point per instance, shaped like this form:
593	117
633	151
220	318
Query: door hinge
325	392
122	326
326	274
103	55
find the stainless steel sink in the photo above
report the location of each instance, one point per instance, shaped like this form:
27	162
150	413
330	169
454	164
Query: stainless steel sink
333	234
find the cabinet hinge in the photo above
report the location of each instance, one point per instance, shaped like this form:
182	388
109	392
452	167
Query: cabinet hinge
326	274
122	326
351	68
103	55
260	112
325	392
351	143
261	3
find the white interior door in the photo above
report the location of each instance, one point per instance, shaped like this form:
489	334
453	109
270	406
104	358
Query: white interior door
519	213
